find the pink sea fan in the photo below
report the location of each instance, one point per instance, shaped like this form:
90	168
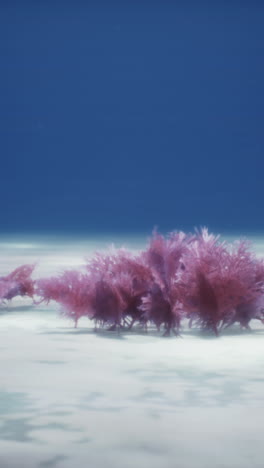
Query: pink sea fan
164	257
6	288
82	294
133	278
107	304
202	260
219	282
17	283
76	301
126	278
158	309
244	280
51	289
132	290
72	290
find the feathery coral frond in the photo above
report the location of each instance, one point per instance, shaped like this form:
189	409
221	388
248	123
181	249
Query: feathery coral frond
17	283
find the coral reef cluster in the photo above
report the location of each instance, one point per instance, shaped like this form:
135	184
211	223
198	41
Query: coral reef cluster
198	277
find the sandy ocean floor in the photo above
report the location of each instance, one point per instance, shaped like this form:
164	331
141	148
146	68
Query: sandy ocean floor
72	397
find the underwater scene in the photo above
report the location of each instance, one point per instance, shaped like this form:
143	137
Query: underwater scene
131	234
70	396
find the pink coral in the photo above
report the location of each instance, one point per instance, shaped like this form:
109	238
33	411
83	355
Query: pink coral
126	278
212	283
71	289
163	256
220	282
17	283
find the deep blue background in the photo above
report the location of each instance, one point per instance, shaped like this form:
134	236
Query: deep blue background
120	116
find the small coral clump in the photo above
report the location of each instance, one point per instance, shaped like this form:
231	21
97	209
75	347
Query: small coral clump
17	283
221	284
